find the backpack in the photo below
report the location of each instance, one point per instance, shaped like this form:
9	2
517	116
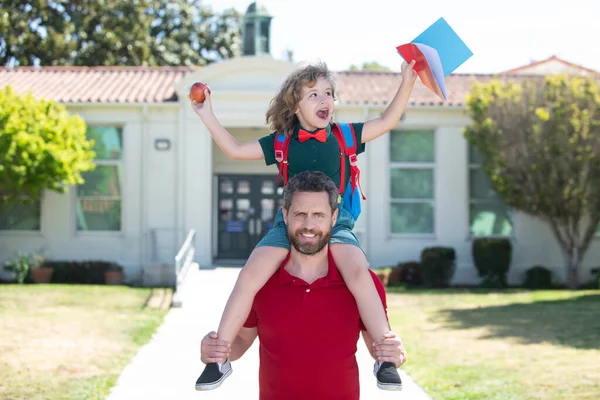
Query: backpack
344	133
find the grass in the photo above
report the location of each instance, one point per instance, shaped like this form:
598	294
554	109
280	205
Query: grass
504	345
70	341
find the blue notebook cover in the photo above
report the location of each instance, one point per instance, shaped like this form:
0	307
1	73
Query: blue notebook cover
453	52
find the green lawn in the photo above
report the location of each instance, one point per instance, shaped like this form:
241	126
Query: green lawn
70	341
504	345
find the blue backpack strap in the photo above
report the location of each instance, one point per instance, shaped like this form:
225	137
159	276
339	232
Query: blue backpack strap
347	141
350	150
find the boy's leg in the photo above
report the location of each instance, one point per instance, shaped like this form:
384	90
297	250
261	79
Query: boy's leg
262	264
353	265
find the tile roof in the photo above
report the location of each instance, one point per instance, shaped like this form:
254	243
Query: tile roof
380	88
132	85
96	84
530	66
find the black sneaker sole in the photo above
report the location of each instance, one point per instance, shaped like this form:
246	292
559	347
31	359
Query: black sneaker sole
389	386
210	386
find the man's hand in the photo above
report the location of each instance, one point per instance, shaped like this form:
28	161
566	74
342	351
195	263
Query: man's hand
390	349
213	350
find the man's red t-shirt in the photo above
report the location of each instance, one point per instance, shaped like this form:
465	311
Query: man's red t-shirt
308	336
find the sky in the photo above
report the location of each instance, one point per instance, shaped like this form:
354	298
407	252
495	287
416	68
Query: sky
508	34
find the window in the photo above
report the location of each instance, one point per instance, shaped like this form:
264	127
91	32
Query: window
20	217
412	163
488	215
99	198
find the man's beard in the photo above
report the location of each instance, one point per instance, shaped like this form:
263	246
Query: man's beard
306	247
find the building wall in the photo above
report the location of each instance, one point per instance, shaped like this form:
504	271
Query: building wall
533	241
147	195
172	191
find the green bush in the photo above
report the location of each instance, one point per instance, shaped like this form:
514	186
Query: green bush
21	264
596	280
84	272
437	266
538	277
408	273
492	257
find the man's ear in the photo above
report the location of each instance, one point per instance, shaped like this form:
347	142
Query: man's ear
285	214
334	217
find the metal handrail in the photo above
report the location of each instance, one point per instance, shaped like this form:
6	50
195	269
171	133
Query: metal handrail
183	261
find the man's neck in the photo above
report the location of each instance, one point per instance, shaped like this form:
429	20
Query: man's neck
308	268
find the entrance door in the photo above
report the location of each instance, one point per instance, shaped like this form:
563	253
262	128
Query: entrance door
247	205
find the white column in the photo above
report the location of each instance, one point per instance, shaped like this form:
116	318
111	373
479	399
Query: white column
452	198
196	179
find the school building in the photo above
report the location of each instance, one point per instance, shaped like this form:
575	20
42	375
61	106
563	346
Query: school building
159	173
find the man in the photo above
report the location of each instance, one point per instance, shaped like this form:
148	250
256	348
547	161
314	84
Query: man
305	312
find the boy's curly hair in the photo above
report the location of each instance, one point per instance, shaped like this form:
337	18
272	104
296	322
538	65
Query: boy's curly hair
281	115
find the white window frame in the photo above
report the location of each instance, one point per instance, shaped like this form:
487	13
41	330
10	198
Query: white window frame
510	211
99	163
27	232
412	165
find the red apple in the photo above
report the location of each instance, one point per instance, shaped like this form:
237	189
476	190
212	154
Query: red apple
197	92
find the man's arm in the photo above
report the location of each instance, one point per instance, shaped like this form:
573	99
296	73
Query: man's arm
214	350
369	342
390	348
242	342
374	128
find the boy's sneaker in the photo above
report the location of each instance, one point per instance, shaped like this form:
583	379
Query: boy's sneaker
213	375
387	376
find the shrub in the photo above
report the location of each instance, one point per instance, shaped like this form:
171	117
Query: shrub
86	272
538	277
22	263
383	274
492	257
437	266
408	273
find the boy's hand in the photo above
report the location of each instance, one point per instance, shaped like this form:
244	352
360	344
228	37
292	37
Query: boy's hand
213	350
408	73
390	349
205	108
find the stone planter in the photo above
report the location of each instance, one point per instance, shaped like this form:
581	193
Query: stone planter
383	276
41	274
113	277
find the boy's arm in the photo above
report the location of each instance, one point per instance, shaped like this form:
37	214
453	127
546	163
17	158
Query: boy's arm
374	128
225	140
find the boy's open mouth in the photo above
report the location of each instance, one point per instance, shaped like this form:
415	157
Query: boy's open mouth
323	114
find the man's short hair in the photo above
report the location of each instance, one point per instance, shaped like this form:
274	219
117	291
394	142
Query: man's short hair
311	181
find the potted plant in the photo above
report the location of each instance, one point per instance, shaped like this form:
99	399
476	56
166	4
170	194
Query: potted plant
39	272
113	275
18	267
383	274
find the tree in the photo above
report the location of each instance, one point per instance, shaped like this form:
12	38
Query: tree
370	66
540	143
116	32
41	147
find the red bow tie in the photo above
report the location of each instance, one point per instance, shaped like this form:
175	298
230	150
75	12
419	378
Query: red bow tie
320	135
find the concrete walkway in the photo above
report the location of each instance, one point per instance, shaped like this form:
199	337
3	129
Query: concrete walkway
167	367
